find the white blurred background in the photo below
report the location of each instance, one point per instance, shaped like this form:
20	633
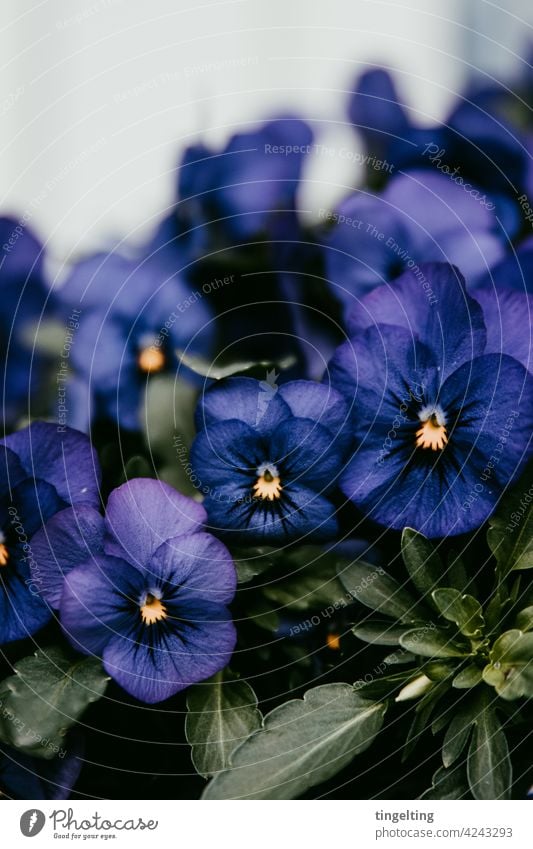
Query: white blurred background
98	96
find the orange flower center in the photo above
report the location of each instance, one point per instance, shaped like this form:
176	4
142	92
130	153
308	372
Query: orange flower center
4	555
153	610
433	432
151	359
268	484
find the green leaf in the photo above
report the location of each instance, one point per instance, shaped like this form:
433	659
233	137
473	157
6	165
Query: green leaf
457	575
312	583
430	642
222	713
423	711
302	743
510	670
468	677
371	586
464	610
459	730
524	619
489	765
206	368
448	784
510	534
380	632
423	563
46	696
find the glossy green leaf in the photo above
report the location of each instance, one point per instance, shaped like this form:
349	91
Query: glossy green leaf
222	713
489	765
206	368
371	586
312	582
302	743
448	784
464	610
524	619
430	642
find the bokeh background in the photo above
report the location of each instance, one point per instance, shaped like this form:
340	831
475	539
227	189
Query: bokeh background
98	97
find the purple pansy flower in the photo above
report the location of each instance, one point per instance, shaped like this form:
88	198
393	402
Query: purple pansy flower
25	777
145	588
44	469
440	427
267	458
135	315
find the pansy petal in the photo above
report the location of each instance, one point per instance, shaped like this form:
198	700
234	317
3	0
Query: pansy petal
98	601
22	610
154	666
302	515
508	317
227	454
194	566
432	303
60	456
303	451
257	403
318	402
142	514
68	539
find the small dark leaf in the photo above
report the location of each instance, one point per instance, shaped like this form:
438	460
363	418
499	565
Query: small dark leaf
459	730
422	562
250	562
524	619
206	368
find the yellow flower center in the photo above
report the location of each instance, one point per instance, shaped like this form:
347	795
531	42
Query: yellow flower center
151	359
433	432
153	610
268	484
4	555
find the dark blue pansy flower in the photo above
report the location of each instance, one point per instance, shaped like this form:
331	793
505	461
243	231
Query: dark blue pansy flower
241	192
145	588
267	457
419	217
23	295
135	314
440	427
472	141
42	471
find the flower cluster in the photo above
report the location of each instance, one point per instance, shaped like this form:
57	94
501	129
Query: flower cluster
252	396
